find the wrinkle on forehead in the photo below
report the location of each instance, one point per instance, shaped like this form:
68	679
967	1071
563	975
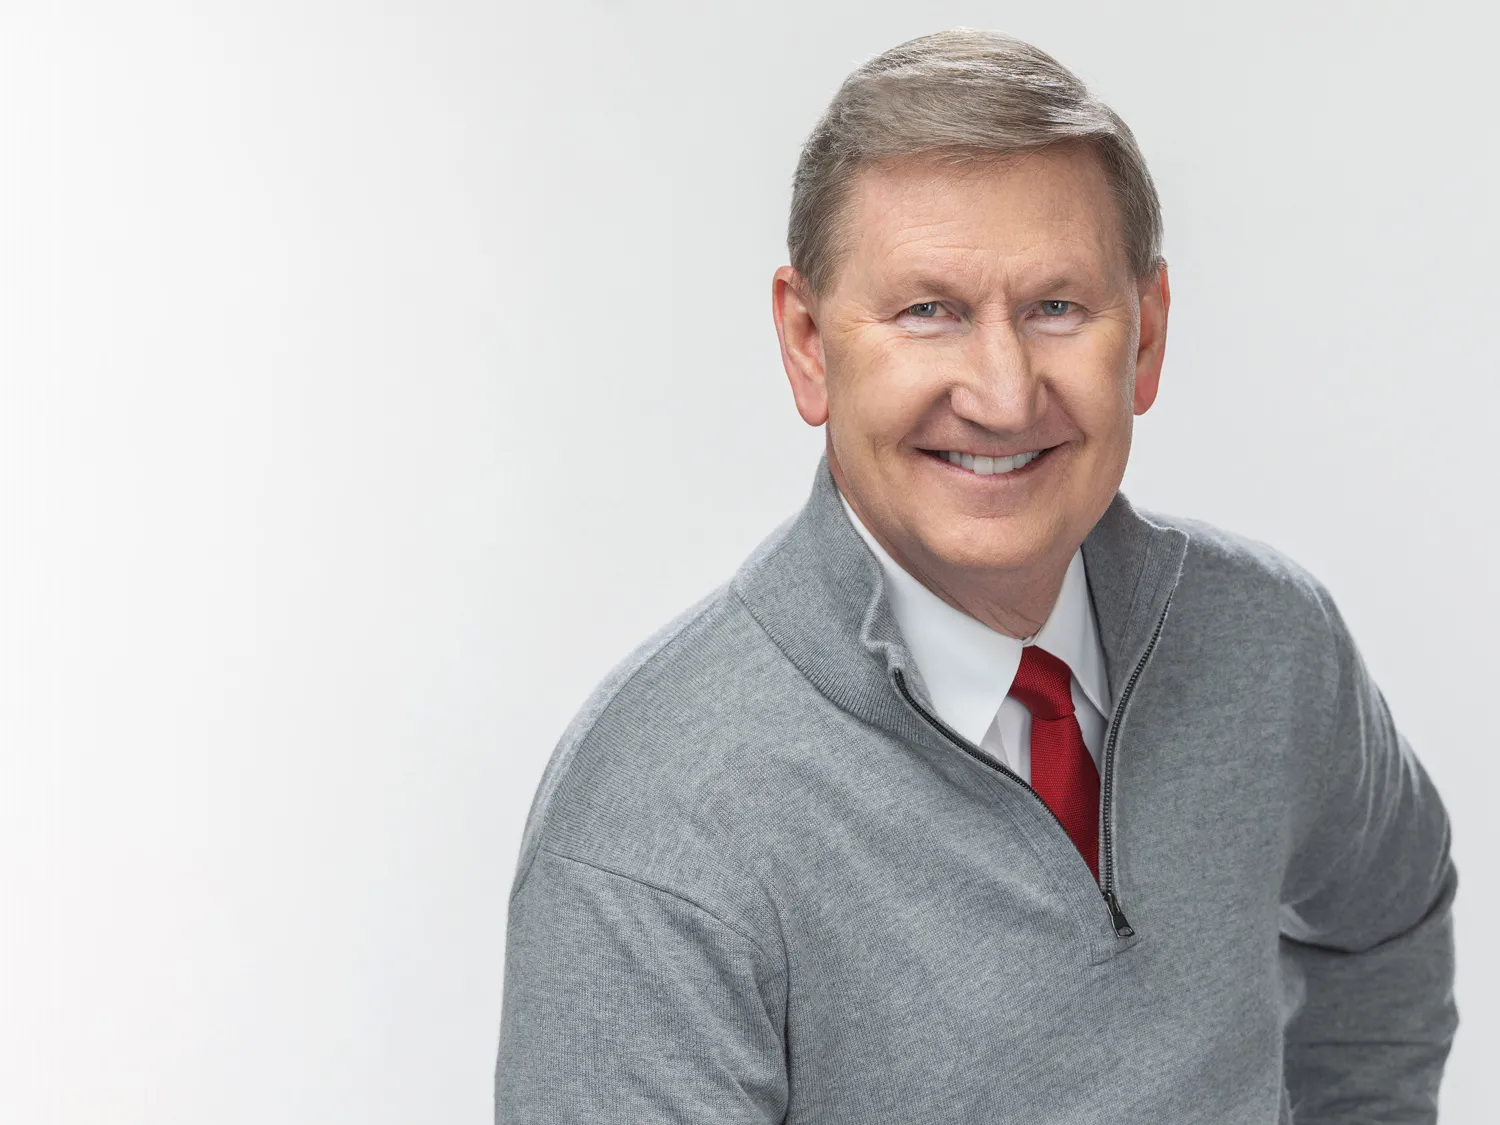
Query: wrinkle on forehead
931	216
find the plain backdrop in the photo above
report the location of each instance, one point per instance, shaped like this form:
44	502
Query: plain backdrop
376	376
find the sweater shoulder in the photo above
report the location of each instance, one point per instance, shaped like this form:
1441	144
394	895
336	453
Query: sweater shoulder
659	766
1225	558
1247	596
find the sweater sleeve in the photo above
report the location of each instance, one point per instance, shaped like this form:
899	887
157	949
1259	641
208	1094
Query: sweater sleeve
1367	941
627	1002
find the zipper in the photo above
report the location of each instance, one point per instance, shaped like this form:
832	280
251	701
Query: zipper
1117	917
1107	786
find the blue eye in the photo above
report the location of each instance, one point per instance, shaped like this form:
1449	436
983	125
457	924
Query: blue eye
1056	308
925	308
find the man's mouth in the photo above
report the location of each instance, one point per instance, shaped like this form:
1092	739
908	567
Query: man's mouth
986	466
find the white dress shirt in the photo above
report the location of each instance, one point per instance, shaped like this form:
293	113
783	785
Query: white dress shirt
968	667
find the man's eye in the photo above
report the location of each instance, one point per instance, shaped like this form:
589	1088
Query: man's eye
925	308
1056	308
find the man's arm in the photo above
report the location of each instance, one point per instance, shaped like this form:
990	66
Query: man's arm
1367	948
625	1002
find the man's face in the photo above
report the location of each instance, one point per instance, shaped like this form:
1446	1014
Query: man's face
983	310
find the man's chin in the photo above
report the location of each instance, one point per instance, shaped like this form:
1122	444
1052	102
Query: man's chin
1004	543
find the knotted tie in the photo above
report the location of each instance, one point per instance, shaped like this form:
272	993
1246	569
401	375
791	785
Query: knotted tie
1062	772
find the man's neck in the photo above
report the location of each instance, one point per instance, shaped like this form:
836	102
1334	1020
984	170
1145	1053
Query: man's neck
1016	603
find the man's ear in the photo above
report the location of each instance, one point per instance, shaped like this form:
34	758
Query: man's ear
1156	302
795	312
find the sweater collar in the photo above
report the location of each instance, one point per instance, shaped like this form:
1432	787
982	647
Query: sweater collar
967	667
822	596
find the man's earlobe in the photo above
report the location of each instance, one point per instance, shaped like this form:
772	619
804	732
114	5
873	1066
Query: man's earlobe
795	312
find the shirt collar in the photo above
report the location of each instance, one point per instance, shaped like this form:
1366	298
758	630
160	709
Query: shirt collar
966	666
820	594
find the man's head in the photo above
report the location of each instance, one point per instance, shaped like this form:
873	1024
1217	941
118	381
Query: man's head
976	269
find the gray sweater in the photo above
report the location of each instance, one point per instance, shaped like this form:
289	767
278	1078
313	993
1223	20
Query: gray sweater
761	881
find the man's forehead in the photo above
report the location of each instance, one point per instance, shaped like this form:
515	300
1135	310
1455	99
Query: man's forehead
957	250
1037	214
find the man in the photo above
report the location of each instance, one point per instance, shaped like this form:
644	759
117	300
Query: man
979	794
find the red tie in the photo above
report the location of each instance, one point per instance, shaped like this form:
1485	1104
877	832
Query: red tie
1062	772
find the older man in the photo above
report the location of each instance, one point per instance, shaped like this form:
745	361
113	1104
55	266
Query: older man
979	794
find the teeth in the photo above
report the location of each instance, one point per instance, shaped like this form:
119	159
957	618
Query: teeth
989	466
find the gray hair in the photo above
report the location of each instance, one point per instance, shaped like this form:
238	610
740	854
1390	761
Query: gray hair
963	93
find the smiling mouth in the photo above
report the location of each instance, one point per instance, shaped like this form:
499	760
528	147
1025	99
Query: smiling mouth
987	466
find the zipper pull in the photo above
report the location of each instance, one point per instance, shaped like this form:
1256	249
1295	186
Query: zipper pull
1117	916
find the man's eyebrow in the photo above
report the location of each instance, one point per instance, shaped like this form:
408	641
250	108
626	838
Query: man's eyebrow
1057	281
1066	279
929	283
925	282
949	285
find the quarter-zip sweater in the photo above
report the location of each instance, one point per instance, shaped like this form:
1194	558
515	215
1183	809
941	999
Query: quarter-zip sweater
761	881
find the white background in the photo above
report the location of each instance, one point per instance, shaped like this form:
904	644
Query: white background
376	376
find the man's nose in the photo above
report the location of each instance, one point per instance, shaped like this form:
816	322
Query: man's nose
999	387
